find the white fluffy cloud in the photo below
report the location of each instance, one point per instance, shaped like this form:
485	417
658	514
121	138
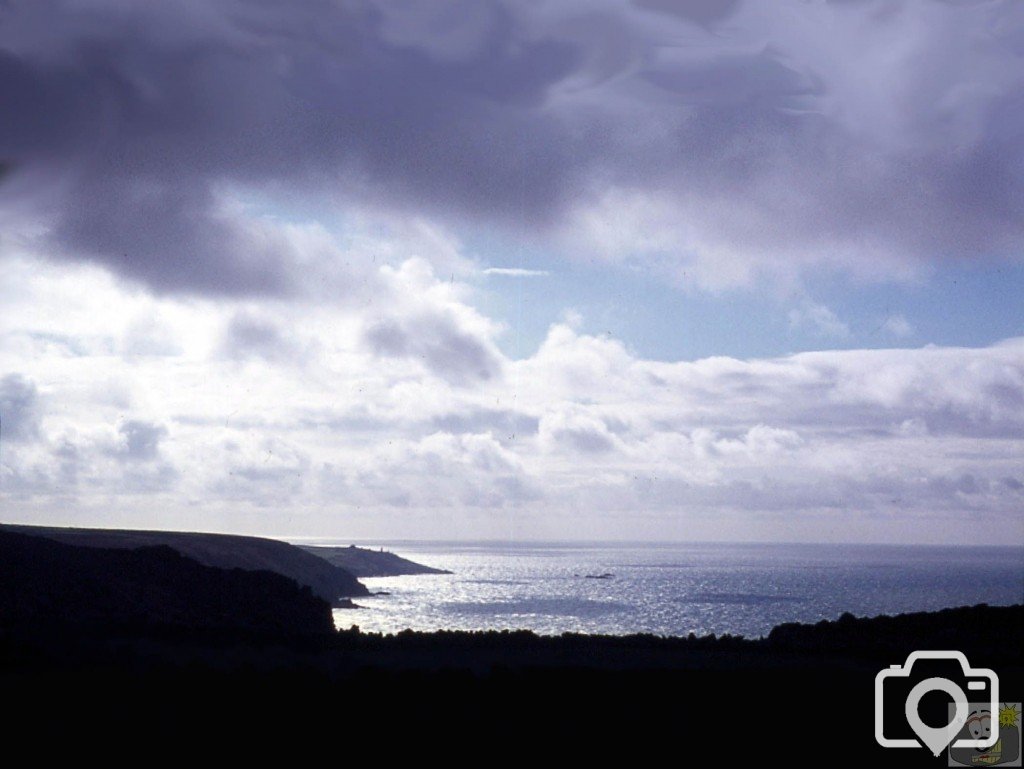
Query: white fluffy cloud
394	412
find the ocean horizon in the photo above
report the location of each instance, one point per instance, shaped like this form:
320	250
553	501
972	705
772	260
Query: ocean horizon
621	588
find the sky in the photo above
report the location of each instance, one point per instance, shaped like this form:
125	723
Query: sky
473	269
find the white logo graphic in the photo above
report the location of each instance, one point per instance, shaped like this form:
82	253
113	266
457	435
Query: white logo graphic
936	739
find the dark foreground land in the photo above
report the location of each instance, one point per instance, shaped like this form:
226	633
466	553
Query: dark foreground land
144	657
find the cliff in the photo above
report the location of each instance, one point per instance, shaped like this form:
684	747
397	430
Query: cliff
44	583
223	551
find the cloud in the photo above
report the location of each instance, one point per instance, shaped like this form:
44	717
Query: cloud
445	349
898	326
472	470
722	143
19	408
577	431
249	335
409	418
266	471
759	440
818	319
507	424
141	440
516	272
430	326
148	334
167	113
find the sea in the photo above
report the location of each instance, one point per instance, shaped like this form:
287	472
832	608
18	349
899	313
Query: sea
674	589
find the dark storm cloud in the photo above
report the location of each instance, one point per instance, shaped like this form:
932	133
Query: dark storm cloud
169	234
136	116
126	124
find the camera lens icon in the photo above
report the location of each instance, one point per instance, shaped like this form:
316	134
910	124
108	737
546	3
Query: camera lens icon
936	739
892	681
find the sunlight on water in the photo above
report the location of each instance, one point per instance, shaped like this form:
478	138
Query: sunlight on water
676	589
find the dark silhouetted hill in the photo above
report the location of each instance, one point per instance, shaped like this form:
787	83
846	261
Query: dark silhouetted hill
49	584
224	551
363	562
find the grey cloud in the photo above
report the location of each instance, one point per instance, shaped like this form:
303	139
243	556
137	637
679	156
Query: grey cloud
132	120
472	470
501	422
69	462
766	495
980	421
148	479
436	339
582	439
170	235
505	425
141	440
577	430
261	485
832	491
19	408
501	492
353	421
387	337
249	335
947	487
700	11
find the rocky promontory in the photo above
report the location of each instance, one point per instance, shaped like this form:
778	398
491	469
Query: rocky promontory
365	562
